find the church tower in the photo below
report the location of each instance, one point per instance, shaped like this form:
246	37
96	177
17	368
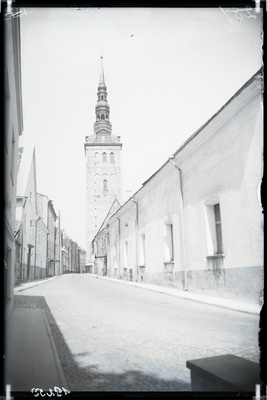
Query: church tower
103	167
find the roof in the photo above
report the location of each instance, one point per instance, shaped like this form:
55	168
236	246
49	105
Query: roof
52	209
26	156
257	75
113	209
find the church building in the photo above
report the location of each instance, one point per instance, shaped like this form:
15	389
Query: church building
103	167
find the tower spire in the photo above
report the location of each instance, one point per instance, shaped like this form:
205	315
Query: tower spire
103	168
102	106
102	77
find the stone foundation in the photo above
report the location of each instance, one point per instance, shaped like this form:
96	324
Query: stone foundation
242	284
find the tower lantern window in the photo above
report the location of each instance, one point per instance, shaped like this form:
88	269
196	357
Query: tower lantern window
102	116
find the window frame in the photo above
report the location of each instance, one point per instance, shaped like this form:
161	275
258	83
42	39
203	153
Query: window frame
105	185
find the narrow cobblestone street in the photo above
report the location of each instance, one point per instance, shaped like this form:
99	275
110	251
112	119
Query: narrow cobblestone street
115	337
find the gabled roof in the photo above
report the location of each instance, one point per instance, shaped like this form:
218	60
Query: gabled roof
50	206
26	157
113	209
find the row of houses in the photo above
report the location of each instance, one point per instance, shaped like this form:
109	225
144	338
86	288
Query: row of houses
197	224
43	249
13	128
34	244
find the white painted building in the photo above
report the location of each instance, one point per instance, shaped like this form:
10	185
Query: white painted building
13	129
41	249
51	220
101	243
26	214
196	224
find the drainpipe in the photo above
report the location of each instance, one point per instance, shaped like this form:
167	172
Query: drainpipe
30	246
171	160
36	222
108	251
119	252
21	255
136	237
47	262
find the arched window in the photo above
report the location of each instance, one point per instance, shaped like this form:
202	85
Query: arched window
112	157
105	184
102	116
104	157
96	157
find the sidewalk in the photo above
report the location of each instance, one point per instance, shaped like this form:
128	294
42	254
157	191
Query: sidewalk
229	304
27	285
32	360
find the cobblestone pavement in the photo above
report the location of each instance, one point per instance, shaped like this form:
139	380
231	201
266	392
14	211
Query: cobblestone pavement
111	337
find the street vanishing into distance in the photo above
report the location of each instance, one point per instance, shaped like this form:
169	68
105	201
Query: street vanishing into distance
115	336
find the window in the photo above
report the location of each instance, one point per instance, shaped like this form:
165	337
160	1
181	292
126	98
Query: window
112	160
102	116
214	229
143	250
12	166
104	157
218	228
105	184
169	256
126	254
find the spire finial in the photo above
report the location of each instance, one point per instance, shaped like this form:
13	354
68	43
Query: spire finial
102	78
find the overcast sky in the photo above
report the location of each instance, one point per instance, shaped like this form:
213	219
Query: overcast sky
167	71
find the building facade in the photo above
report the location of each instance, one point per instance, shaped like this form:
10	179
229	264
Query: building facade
101	243
103	167
73	259
52	244
49	217
65	240
196	224
82	260
26	215
41	249
12	131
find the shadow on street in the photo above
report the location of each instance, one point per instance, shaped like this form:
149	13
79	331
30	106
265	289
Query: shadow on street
90	378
